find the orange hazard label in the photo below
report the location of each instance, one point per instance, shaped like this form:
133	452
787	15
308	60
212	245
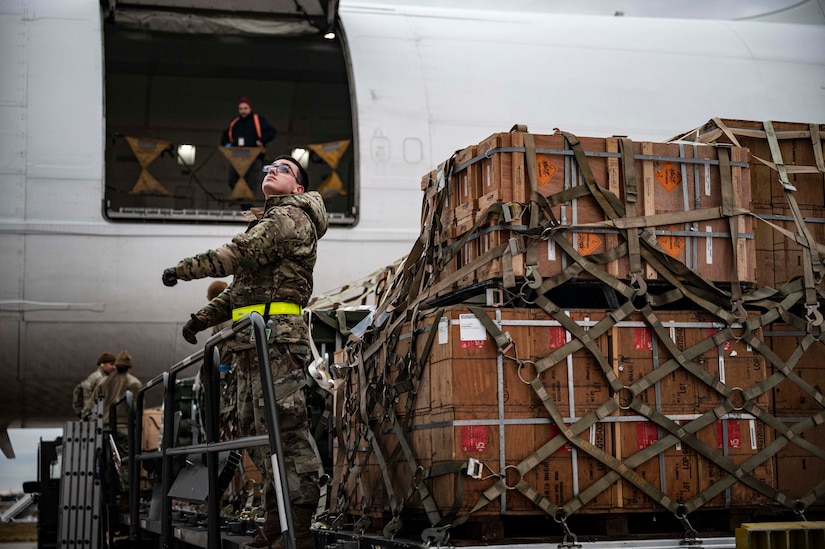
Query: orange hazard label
545	170
668	176
672	244
588	242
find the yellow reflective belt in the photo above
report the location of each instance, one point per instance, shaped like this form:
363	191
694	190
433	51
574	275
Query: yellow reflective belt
275	308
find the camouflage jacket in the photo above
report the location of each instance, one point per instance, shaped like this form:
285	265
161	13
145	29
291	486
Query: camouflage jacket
111	388
272	261
82	395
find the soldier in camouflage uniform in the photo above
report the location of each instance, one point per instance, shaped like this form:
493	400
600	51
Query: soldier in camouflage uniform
82	402
272	264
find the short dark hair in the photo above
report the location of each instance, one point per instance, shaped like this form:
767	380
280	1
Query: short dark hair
303	176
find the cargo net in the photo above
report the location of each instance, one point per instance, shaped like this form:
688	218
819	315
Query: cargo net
697	388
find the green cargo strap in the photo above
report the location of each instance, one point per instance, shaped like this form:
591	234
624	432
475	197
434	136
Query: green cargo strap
536	458
430	506
653	253
402	284
631	196
641	221
385	474
599	274
531	256
607	200
582	339
820	248
456	468
681	358
785	371
463	271
407	386
618	466
811	265
816	142
502	339
725	130
728	201
686	433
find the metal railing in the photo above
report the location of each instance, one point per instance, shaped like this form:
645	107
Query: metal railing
210	375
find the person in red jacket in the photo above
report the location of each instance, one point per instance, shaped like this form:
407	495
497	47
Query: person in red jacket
248	129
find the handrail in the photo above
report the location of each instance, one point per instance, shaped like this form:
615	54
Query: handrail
210	374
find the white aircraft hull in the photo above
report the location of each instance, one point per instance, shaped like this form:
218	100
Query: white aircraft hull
426	81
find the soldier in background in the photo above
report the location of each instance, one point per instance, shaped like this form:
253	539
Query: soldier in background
272	263
112	388
82	395
248	129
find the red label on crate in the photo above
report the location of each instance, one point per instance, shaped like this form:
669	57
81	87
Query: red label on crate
668	177
646	434
554	432
588	243
672	244
545	170
474	438
727	345
643	339
734	433
558	337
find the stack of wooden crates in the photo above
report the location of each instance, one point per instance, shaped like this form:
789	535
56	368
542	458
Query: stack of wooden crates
487	384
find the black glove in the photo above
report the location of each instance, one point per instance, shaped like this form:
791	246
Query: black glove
170	277
196	324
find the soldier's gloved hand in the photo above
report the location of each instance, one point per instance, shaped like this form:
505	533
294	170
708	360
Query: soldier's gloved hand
196	324
170	277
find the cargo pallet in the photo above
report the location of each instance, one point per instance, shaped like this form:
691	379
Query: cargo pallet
585	329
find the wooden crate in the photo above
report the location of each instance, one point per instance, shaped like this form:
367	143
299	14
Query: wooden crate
464	182
670	178
802	148
473	403
151	429
501	174
789	398
780	258
801	145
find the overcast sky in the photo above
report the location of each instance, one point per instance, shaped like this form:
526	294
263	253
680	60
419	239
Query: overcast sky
23	468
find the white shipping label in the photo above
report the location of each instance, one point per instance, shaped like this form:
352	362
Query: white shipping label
551	250
472	332
753	434
443	331
709	245
707	179
678	444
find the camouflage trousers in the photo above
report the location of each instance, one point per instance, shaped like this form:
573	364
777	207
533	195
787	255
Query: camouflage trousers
300	460
228	413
